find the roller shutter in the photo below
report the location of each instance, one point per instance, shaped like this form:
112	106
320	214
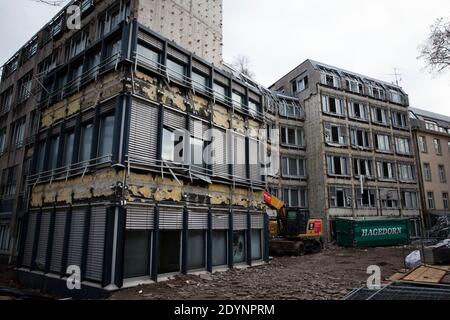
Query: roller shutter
171	218
255	167
257	220
143	131
58	242
140	217
239	167
198	218
29	240
239	220
150	40
219	161
41	254
221	220
76	237
97	230
174	119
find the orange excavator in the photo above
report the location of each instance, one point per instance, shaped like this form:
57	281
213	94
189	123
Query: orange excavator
291	230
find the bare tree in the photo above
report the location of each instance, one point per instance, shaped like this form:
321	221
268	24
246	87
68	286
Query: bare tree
55	3
243	64
436	49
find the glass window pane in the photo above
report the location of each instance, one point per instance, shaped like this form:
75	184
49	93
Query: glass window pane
239	250
199	81
106	136
168	145
256	245
137	254
53	157
86	142
219	257
196	250
176	69
68	148
148	55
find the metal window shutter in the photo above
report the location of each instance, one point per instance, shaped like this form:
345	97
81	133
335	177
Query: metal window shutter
150	40
198	218
108	106
41	254
221	79
198	128
76	237
171	218
220	220
257	220
255	97
177	54
140	217
239	220
239	169
28	250
201	67
239	88
97	230
143	130
58	242
220	163
174	119
89	115
255	169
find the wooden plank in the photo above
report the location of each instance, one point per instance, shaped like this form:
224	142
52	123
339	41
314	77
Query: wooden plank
396	277
416	273
426	274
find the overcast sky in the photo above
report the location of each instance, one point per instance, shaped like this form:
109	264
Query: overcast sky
364	36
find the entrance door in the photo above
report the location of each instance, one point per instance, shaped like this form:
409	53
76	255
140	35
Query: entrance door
169	255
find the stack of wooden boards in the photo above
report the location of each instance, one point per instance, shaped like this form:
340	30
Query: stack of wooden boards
429	274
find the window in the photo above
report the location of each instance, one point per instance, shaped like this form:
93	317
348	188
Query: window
427	171
448	143
239	246
176	70
396	96
24	87
148	55
380	116
389	199
386	170
199	81
406	172
5	237
2	140
220	91
220	247
336	134
110	19
196	249
85	5
105	144
40	157
300	85
423	144
445	200
113	50
295	197
382	142
68	148
238	99
358	111
168	145
376	92
430	125
333	105
366	198
137	251
363	167
77	44
256	244
290	109
86	142
361	138
437	146
75	77
354	85
337	165
53	153
254	107
340	197
330	79
410	200
10	66
400	119
92	64
48	64
9	181
197	152
6	100
442	175
293	167
402	145
430	200
18	133
293	137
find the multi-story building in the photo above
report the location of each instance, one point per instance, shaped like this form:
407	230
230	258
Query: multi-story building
431	132
187	23
359	147
145	160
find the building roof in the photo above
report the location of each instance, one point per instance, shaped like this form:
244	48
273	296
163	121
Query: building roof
428	115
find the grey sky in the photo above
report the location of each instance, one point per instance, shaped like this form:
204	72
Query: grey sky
368	37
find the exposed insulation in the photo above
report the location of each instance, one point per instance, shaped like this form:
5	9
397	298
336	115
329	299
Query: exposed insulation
174	98
220	116
238	123
201	105
253	129
148	87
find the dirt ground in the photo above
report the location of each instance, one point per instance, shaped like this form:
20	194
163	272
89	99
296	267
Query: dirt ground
330	274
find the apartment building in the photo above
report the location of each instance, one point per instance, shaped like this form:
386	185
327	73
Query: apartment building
116	184
431	132
24	74
359	147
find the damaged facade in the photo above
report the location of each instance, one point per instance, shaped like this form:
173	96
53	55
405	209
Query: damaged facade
431	132
361	158
108	189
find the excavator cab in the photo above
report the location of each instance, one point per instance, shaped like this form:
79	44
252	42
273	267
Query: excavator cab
296	222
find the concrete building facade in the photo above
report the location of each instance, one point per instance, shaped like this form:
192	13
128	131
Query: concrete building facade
359	147
432	135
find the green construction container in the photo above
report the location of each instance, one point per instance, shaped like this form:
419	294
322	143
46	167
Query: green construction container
372	232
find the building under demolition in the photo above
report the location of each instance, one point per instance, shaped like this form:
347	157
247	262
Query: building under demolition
118	182
361	157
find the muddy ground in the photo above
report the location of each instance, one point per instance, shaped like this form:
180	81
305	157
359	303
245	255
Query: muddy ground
330	274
